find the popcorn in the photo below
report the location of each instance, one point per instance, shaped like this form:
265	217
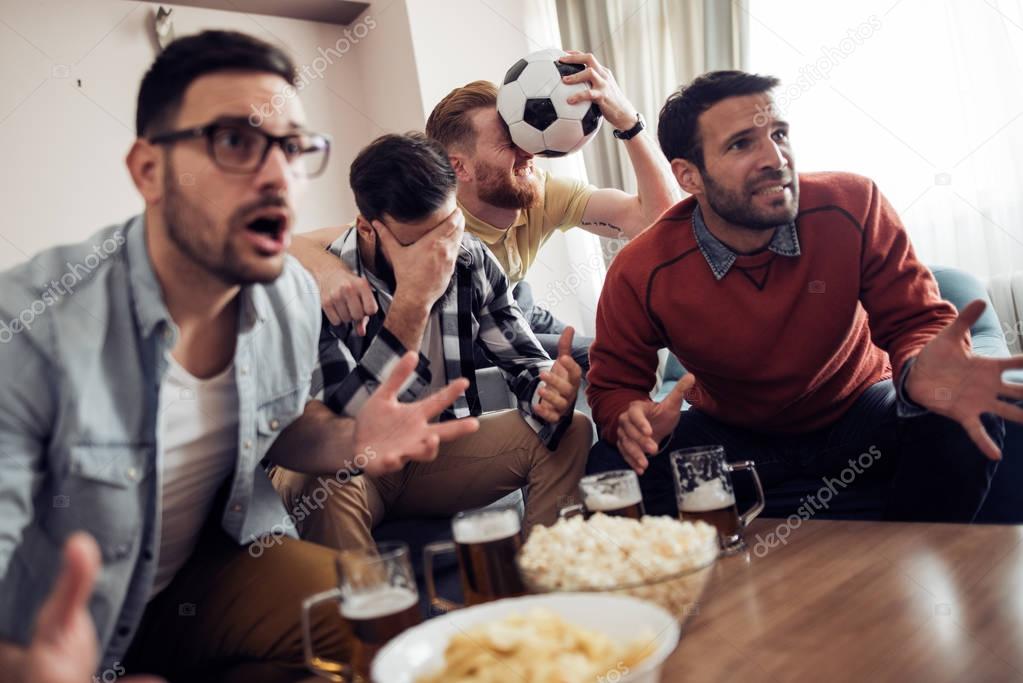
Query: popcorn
643	558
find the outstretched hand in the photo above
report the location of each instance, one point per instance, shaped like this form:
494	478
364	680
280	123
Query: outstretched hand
388	432
644	424
947	378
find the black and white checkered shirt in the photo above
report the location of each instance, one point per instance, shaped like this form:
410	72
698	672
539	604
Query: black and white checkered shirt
477	309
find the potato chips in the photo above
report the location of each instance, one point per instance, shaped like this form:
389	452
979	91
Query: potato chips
538	647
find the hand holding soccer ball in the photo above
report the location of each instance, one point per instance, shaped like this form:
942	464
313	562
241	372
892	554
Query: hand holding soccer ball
550	117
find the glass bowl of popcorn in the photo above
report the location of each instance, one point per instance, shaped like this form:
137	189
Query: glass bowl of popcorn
658	559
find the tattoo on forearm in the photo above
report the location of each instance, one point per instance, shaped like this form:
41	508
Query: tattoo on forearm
602	224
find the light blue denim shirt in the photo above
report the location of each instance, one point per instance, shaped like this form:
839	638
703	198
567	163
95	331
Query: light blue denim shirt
84	334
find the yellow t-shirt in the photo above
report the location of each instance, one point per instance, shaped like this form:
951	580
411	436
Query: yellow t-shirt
564	200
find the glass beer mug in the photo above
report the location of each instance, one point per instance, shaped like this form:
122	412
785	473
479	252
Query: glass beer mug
377	596
703	488
486	542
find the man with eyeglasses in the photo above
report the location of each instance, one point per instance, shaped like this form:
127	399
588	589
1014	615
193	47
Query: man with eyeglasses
144	410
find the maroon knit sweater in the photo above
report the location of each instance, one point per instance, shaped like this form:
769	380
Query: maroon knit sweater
780	344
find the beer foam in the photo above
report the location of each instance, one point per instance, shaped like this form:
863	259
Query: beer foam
381	602
710	495
598	501
486	527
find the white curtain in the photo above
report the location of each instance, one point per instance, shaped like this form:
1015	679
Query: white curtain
923	96
652	47
562	277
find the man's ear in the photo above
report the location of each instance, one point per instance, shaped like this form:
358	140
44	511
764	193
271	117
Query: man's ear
460	164
365	230
145	164
688	176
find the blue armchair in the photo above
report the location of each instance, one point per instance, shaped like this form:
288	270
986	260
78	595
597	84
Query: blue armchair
1003	505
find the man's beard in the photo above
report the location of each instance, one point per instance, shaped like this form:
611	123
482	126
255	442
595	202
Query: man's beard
737	207
382	266
194	232
505	190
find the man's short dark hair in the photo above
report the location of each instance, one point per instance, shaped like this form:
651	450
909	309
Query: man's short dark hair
188	58
407	177
678	130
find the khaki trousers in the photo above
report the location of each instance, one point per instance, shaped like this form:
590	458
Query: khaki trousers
475	470
232	616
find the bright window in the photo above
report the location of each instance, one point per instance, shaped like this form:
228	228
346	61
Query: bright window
923	96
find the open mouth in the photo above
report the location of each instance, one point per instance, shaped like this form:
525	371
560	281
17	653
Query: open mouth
269	231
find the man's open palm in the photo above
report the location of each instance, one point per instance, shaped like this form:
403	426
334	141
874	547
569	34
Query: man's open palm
644	424
389	432
948	379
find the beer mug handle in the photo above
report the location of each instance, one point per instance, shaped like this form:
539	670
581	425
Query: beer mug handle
571	511
758	507
430	551
328	668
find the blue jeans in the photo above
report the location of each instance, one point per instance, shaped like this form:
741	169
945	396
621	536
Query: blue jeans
869	464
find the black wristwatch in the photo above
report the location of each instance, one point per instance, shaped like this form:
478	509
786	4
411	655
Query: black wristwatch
632	132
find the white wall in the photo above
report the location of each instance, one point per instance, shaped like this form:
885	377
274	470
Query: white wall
393	102
64	145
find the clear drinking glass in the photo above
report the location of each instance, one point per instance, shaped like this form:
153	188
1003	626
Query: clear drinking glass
703	489
377	595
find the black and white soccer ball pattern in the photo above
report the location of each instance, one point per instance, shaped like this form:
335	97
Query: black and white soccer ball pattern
534	104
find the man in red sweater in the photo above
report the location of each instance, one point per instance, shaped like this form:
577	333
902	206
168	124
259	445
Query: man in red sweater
810	331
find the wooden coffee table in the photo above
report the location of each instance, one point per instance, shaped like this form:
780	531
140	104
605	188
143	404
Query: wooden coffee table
861	601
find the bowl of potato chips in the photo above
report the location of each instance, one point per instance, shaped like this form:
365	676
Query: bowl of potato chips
659	559
540	638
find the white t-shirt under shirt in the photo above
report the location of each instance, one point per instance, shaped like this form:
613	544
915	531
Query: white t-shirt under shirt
197	439
433	348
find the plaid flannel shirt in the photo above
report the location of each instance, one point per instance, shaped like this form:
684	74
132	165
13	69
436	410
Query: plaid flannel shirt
477	309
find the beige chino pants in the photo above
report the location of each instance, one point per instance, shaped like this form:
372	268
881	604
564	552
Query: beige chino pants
473	471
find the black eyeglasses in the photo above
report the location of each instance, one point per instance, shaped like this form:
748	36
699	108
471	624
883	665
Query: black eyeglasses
242	148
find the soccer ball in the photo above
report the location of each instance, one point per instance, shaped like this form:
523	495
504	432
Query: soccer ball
534	104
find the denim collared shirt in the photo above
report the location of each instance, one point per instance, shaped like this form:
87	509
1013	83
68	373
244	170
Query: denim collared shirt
84	335
721	258
785	242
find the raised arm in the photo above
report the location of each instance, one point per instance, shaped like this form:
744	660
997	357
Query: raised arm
64	647
423	271
56	644
611	212
28	405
